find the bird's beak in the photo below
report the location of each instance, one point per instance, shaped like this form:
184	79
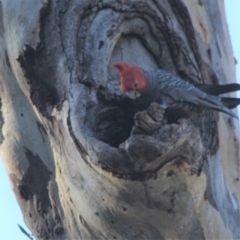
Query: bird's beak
133	94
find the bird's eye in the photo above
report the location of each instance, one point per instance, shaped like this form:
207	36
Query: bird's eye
135	84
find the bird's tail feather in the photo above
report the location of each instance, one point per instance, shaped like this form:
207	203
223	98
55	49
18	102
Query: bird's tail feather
230	102
211	103
226	110
218	89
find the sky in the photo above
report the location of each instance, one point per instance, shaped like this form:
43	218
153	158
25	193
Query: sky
232	8
10	214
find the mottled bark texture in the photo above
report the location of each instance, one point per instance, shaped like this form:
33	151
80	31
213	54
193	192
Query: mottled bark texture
87	163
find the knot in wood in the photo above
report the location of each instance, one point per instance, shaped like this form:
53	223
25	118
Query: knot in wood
148	121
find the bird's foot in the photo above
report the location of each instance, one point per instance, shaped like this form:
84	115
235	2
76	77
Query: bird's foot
149	120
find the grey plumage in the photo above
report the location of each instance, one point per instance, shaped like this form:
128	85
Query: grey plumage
176	93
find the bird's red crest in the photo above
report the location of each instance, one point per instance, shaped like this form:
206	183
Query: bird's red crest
131	77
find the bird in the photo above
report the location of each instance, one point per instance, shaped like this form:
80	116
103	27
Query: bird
172	92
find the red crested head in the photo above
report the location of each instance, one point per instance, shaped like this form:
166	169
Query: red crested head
131	77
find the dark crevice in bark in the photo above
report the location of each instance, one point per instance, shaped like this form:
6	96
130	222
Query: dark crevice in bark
30	185
43	20
145	151
7	59
35	189
114	120
43	95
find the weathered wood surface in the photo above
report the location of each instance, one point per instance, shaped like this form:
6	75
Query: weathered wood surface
79	163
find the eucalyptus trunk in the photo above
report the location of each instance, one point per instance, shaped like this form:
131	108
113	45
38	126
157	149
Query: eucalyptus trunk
80	165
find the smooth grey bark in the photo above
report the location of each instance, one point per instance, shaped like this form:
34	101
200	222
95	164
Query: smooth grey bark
81	165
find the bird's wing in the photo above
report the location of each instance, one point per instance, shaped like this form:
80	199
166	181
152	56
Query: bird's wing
182	91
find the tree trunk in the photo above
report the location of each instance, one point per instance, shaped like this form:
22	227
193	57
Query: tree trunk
80	164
